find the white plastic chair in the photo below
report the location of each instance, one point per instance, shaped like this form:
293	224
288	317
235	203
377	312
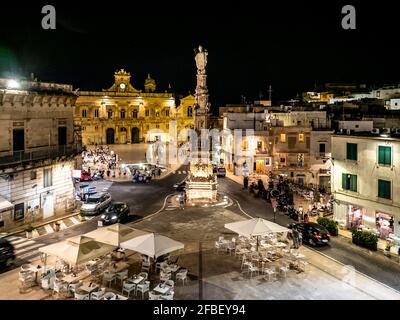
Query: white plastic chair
81	296
122	275
98	295
164	276
181	275
170	283
253	269
145	275
128	287
154	296
143	288
109	277
167	296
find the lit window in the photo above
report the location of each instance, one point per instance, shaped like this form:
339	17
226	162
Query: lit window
283	137
349	182
109	114
301	137
157	114
245	145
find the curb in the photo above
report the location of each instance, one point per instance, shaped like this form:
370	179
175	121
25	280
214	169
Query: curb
13	233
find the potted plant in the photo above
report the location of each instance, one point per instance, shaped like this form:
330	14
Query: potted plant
57	226
28	231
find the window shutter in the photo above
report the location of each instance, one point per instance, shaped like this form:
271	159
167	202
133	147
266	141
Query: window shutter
353	183
344	181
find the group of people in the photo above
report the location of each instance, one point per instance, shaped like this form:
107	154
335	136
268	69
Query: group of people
297	238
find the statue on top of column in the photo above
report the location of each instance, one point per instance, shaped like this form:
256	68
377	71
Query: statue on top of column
201	60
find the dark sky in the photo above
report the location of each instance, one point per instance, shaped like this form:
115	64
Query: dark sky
290	45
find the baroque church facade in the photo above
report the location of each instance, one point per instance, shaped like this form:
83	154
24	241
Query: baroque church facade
124	114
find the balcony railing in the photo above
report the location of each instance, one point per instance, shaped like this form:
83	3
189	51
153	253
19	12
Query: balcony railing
18	157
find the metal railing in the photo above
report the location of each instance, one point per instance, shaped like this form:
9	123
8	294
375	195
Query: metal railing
41	153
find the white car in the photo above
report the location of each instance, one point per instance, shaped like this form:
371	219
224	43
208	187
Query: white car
95	204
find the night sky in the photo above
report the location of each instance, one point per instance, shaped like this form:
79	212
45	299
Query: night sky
291	46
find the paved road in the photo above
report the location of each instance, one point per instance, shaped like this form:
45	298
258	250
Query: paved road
374	265
143	199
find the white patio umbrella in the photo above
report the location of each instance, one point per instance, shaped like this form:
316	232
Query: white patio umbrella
255	227
115	234
152	245
77	250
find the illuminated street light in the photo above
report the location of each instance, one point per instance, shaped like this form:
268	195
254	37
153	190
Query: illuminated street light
12	84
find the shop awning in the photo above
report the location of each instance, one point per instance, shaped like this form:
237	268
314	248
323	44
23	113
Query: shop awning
5	204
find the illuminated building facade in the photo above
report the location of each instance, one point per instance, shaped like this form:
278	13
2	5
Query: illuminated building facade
124	114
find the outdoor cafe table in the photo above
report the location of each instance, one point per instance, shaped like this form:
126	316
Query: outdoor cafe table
71	278
119	266
134	280
163	290
88	288
298	255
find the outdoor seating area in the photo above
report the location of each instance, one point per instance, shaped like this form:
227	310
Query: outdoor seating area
263	249
88	267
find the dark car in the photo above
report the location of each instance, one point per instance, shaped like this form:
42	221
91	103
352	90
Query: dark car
7	253
117	212
180	186
313	233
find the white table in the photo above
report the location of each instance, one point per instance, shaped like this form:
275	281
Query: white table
70	278
161	290
136	280
88	289
119	297
298	255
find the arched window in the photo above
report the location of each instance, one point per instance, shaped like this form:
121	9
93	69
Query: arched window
134	114
110	114
157	114
189	112
122	114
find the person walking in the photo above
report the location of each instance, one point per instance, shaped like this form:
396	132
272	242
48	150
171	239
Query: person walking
182	201
300	239
245	182
295	238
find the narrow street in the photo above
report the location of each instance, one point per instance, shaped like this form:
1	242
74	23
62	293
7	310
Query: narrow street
374	265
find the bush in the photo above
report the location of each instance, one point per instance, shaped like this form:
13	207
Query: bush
29	228
365	239
330	225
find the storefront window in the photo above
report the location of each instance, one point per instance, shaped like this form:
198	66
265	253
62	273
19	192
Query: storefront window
384	224
355	217
19	211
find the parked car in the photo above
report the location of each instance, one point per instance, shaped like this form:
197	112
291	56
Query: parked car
221	172
85	176
116	212
313	233
96	203
7	253
180	186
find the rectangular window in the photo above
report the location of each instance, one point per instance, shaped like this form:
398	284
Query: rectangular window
47	178
157	114
283	137
33	175
84	113
384	189
245	145
157	126
109	114
259	145
385	155
349	182
167	113
322	148
351	152
19	211
147	113
301	137
96	113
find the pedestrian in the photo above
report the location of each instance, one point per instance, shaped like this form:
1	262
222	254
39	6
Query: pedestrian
294	235
300	239
306	219
245	182
182	201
